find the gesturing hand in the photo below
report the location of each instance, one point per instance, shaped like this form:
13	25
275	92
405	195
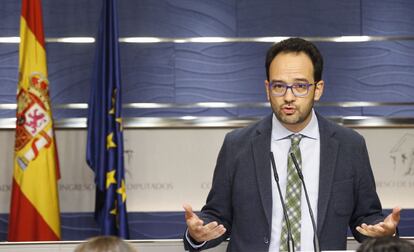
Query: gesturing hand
196	228
386	228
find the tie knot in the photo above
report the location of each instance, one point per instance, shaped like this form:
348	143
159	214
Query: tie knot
295	140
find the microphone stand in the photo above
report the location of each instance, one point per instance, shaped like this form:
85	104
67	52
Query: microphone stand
290	241
315	235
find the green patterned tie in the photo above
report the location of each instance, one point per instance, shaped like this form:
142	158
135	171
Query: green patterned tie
292	196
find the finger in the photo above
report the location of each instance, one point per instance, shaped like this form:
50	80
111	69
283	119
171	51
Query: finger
365	230
373	230
196	230
202	233
383	224
210	226
379	229
210	232
362	231
206	229
396	209
396	213
217	232
188	211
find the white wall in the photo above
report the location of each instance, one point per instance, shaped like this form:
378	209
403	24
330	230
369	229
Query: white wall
167	167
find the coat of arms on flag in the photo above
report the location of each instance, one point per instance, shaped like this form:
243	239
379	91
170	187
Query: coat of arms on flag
33	121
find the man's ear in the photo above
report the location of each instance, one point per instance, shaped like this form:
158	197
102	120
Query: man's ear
318	90
266	82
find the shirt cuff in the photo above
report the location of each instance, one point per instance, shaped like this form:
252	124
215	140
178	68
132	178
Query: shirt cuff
190	241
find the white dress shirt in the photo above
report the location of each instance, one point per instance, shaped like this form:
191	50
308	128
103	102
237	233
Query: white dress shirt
310	152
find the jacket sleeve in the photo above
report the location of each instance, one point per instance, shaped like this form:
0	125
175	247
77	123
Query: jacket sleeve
368	207
218	205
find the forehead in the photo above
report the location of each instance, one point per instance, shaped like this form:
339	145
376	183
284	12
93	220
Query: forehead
291	65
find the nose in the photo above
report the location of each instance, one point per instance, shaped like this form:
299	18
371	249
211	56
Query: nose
289	96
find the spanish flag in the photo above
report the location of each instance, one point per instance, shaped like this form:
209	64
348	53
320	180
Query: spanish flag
34	209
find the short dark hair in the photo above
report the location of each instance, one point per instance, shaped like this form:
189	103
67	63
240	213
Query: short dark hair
386	244
297	45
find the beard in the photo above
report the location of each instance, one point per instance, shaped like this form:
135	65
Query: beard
300	115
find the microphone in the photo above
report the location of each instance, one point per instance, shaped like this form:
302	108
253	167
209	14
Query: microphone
315	235
290	241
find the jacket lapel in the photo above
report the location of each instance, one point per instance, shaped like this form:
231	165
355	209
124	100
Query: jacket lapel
328	155
261	156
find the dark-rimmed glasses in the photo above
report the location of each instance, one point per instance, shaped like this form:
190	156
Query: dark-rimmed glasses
298	89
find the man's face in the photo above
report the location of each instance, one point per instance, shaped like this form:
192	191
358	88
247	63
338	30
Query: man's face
289	68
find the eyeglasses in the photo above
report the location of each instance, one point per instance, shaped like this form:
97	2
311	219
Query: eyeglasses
298	89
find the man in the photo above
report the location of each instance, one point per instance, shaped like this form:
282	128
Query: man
244	203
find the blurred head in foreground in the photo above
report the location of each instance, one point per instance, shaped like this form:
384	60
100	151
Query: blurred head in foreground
386	244
105	244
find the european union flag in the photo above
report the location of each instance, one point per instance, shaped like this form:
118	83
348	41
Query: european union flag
104	153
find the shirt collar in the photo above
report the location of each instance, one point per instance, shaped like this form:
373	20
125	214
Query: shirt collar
310	131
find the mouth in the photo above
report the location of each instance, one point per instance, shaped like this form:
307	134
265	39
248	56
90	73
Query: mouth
288	109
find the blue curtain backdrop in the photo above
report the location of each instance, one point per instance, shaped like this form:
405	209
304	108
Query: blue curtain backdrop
222	72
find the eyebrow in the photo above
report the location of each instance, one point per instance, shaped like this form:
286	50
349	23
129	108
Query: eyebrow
295	80
302	80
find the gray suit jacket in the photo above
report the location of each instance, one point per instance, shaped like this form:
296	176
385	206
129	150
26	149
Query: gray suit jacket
241	193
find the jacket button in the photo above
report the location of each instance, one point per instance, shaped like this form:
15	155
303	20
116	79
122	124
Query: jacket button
265	240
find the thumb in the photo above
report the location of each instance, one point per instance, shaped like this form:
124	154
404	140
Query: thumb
188	211
395	215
